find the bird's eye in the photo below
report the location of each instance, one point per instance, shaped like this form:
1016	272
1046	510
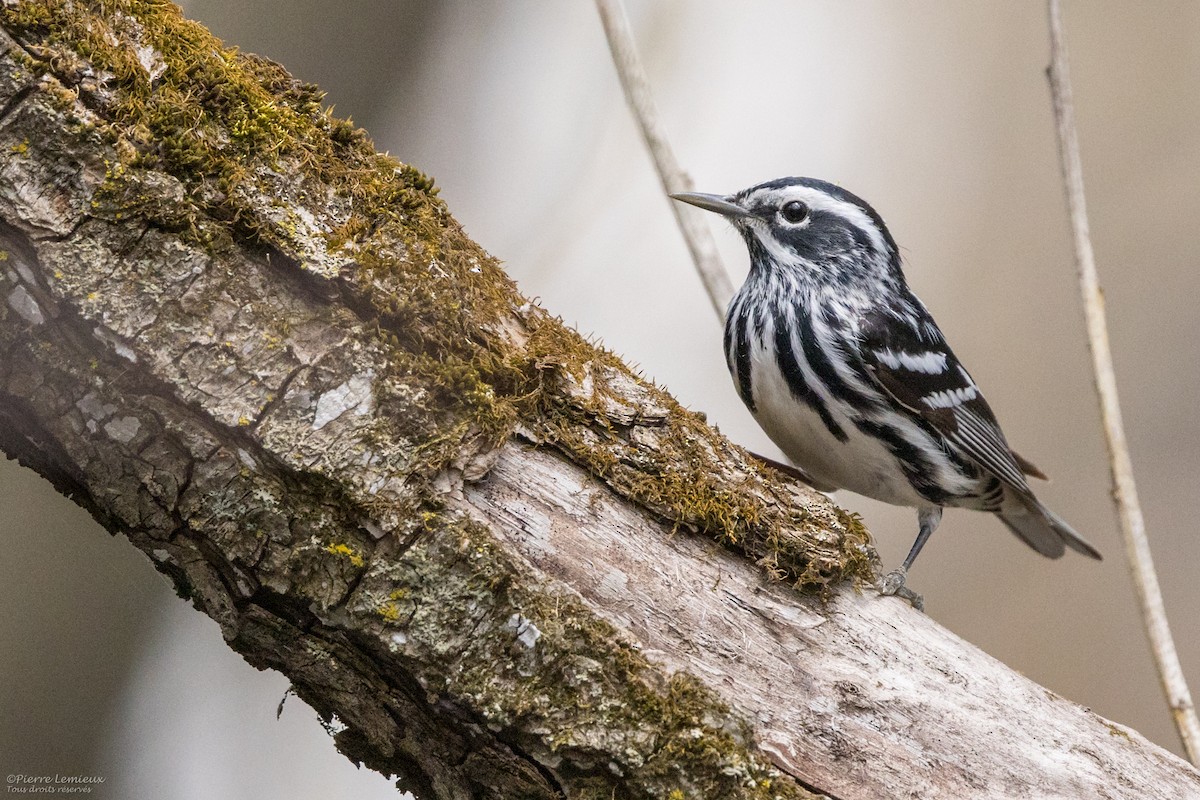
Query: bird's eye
794	211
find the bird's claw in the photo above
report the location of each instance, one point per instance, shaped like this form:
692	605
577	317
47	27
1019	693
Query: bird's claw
893	581
893	584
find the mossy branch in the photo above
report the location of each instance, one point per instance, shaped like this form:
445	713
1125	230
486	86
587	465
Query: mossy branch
269	357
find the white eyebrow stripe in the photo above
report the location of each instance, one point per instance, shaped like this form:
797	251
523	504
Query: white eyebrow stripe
818	200
930	362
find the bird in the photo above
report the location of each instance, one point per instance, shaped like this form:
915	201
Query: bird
847	372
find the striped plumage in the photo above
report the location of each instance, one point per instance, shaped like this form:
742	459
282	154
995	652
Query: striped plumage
847	372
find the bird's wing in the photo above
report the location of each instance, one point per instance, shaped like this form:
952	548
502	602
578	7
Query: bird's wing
908	357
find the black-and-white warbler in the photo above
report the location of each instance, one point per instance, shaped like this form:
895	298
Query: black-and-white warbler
847	372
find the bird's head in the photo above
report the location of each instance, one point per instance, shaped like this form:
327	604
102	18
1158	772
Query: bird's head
818	229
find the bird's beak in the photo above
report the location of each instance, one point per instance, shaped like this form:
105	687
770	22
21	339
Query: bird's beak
713	202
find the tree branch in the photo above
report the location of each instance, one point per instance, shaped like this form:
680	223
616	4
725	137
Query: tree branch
1129	509
694	228
271	359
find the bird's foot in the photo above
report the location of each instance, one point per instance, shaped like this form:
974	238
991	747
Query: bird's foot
893	584
893	581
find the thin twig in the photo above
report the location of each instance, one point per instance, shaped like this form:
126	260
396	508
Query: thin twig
674	179
1137	547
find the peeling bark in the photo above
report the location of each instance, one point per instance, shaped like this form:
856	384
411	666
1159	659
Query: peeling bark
271	359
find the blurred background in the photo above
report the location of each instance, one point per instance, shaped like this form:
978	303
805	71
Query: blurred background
936	113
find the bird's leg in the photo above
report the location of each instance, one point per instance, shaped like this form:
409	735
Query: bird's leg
893	582
790	470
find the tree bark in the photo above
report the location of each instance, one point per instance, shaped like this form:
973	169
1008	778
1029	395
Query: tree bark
509	567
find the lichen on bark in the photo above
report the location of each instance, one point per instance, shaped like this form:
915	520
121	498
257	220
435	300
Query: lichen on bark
268	354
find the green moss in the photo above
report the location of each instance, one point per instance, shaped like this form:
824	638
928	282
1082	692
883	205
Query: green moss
201	143
199	147
678	477
667	735
1113	730
212	117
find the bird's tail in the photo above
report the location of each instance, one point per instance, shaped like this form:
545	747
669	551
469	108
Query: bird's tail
1042	529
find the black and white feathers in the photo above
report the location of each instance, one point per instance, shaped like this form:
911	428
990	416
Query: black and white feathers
850	376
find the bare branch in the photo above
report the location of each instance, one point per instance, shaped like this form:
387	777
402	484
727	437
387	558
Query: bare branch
1133	526
637	92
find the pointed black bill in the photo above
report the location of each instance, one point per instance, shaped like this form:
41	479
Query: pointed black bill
712	202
